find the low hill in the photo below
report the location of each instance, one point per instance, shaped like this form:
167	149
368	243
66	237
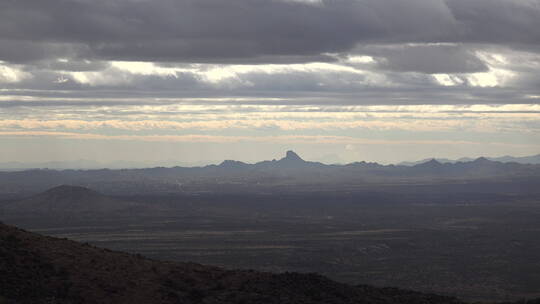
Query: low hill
69	200
40	269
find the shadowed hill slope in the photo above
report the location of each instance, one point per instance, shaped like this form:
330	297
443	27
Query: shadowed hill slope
40	269
69	200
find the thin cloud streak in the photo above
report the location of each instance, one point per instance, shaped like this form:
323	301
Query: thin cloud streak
304	139
498	122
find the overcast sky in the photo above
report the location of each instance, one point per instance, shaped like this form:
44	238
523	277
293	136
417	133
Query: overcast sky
206	80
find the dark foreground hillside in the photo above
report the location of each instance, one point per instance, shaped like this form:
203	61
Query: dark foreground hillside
40	269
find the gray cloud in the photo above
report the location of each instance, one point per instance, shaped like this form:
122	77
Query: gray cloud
408	40
71	65
497	21
24	51
258	88
426	58
250	30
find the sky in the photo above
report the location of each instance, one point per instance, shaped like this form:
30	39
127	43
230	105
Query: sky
199	81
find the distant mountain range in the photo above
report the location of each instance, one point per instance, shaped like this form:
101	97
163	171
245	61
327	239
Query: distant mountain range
534	160
231	174
84	164
292	164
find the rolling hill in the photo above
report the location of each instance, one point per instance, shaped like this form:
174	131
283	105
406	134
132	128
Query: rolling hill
70	200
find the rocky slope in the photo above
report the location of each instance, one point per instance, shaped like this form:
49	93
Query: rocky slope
41	269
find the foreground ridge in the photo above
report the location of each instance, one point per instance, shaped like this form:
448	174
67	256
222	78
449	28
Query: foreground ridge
41	269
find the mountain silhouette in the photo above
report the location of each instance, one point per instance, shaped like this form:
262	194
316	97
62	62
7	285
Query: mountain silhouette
290	169
482	161
291	161
291	156
533	159
432	164
233	164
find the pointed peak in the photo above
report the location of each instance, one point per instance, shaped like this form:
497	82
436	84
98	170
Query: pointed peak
292	156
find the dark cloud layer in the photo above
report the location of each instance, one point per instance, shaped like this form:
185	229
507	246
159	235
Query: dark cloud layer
404	45
254	31
429	59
